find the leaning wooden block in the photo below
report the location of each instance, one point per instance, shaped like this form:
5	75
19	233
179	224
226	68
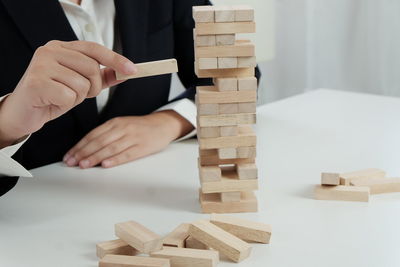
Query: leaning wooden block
210	95
248	107
342	192
226	84
330	178
227	62
205	40
225	39
228	131
224	14
194	243
211	203
183	257
243	13
227	120
208	132
210	173
138	236
379	186
132	261
116	247
246	62
247	83
246	152
231	196
243	229
243	139
227	153
228	108
203	14
177	237
247	171
348	177
224	73
225	28
220	240
208	63
151	69
240	49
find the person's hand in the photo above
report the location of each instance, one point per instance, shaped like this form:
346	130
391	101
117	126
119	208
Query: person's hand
59	77
125	139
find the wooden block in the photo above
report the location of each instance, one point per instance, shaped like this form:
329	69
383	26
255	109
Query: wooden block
194	243
229	183
243	13
228	130
243	229
247	83
177	237
245	137
230	196
348	177
208	63
226	84
330	178
227	120
379	185
132	261
342	192
205	40
152	68
203	14
208	132
246	62
224	14
183	257
220	240
248	107
247	171
246	152
211	203
138	236
115	247
210	95
224	39
210	173
228	108
224	73
215	160
239	49
227	153
208	109
225	28
227	62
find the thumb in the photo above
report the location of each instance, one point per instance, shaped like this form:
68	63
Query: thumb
108	78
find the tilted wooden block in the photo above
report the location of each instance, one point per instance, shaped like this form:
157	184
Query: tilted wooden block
248	107
194	243
132	261
230	196
243	13
224	14
379	185
138	236
227	62
342	192
208	63
243	229
228	108
240	49
205	40
241	140
228	131
247	83
208	132
183	257
116	247
225	28
152	68
220	240
226	84
210	95
247	171
224	73
203	14
330	178
348	177
210	173
246	62
227	120
177	237
227	153
246	152
211	203
225	39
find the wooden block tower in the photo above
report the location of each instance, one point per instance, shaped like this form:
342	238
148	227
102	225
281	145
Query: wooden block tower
226	110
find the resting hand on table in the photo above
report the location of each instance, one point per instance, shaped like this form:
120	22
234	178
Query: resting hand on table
125	139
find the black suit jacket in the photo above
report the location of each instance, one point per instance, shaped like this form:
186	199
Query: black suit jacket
149	30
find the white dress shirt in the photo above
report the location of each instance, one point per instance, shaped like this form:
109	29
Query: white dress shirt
93	20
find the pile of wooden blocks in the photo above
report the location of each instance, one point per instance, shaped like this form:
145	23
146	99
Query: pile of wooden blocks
226	110
190	244
355	186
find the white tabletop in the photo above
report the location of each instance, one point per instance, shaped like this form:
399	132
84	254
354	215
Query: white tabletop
56	218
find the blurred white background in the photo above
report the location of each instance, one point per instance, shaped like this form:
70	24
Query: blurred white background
351	45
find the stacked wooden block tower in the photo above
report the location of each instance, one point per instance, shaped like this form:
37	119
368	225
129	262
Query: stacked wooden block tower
226	110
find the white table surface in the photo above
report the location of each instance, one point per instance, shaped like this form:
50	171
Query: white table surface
56	218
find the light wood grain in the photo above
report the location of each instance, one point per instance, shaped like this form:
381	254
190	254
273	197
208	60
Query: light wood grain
177	237
132	261
183	257
152	68
342	192
115	247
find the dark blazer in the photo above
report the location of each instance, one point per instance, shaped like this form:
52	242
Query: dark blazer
149	30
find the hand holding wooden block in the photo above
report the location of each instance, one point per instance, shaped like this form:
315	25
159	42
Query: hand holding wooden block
152	68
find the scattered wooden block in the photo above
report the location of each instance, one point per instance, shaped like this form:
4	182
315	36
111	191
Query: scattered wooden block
348	177
247	83
230	196
115	247
243	229
205	40
227	62
247	171
246	152
239	49
228	131
248	107
342	192
225	39
227	120
220	240
210	173
226	84
208	132
177	237
194	243
227	153
203	14
183	257
246	62
241	140
210	95
132	261
208	63
330	178
224	73
224	14
211	203
244	13
379	185
138	236
225	28
228	108
152	68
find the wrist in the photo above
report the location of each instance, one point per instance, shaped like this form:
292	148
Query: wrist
9	134
174	125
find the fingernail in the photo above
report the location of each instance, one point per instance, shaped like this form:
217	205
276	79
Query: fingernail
71	161
66	157
106	163
130	68
84	163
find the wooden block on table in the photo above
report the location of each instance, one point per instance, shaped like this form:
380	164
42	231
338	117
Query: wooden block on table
203	14
177	237
243	13
248	107
208	63
246	62
227	62
227	119
183	257
246	152
348	177
208	132
247	171
243	229
205	40
211	203
210	173
228	108
342	192
239	49
115	247
247	83
225	28
224	39
379	185
330	178
138	236
220	240
224	14
132	261
224	73
230	196
152	68
228	131
226	84
227	153
210	95
245	137
194	243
